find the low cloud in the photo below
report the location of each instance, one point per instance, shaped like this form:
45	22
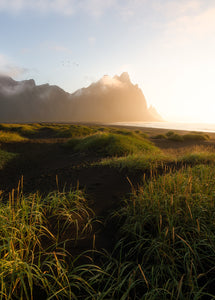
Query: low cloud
65	7
190	37
3	60
126	9
186	30
174	9
11	69
200	25
96	7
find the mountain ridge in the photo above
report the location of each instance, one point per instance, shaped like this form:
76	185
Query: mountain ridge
110	99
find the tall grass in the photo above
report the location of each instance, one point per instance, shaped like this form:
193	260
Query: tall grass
33	258
167	231
68	214
165	243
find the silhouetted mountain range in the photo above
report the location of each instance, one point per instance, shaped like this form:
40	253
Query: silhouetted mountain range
107	100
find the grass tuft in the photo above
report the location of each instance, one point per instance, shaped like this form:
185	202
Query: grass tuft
69	214
160	136
32	258
175	137
196	137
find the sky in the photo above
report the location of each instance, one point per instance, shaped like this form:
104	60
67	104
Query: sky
166	46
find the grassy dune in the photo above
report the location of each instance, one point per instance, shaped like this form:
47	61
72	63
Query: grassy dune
154	240
192	136
8	137
112	144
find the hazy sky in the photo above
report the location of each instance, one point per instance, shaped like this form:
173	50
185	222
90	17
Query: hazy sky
167	47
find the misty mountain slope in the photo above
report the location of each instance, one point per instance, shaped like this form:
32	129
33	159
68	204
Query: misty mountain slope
107	100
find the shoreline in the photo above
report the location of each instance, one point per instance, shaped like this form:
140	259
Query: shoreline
152	130
197	127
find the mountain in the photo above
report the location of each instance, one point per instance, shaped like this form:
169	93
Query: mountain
107	100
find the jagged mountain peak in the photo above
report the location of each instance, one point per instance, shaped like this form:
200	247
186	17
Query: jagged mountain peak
110	99
6	80
124	77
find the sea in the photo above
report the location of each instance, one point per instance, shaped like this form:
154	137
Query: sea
202	127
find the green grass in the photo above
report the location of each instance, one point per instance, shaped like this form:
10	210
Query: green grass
176	137
165	245
203	156
29	130
166	236
5	157
112	144
193	136
160	136
144	162
70	131
154	160
68	212
170	133
32	257
8	137
196	137
25	130
51	130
